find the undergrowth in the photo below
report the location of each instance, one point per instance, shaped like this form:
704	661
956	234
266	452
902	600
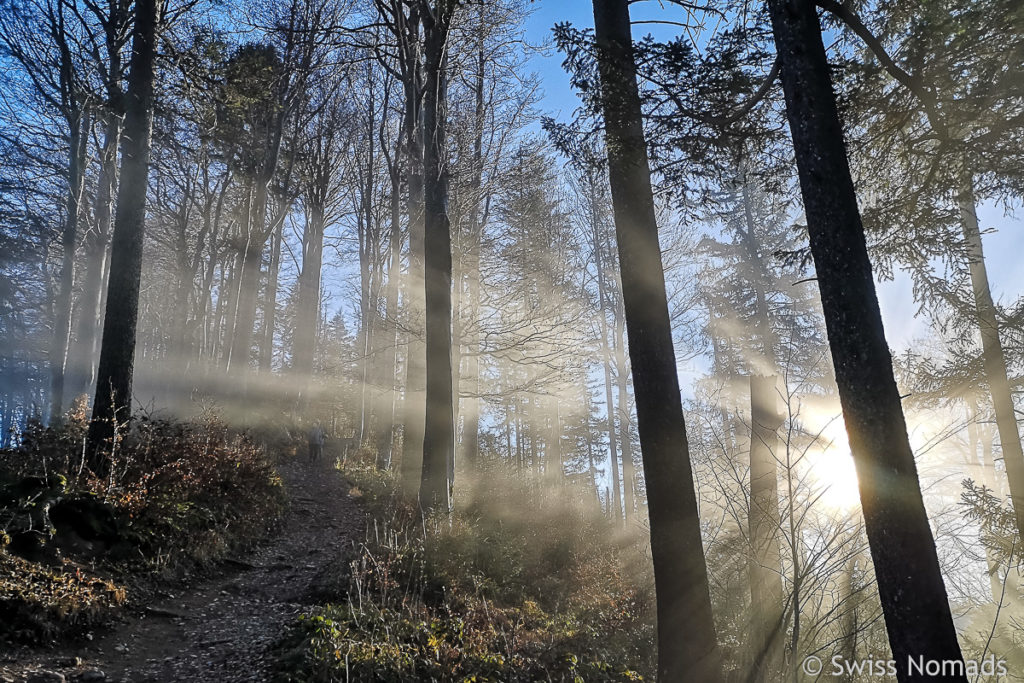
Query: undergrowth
75	547
518	585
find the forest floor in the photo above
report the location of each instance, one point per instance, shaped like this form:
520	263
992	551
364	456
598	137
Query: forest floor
221	627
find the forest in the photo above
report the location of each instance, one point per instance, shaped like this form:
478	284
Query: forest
511	340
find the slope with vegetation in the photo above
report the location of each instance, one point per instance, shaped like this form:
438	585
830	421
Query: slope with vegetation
517	585
75	549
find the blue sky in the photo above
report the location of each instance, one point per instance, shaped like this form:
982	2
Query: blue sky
1002	246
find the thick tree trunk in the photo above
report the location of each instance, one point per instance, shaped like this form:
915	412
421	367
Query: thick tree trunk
687	641
439	428
992	352
112	403
910	585
414	404
77	144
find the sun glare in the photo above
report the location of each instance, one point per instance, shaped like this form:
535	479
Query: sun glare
834	470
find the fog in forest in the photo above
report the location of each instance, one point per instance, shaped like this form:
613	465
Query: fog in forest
423	237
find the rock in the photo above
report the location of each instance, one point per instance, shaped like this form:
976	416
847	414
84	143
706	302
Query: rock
93	676
84	526
166	612
45	677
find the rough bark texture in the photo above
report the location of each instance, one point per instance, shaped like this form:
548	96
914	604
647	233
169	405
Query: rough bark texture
992	353
439	426
913	596
415	396
687	643
112	404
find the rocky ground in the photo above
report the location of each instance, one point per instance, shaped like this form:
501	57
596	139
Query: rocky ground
221	628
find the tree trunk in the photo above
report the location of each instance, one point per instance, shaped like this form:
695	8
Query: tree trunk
308	309
910	585
602	296
112	403
687	642
622	380
478	218
414	404
385	439
270	296
992	352
97	250
986	472
439	428
246	296
766	595
77	145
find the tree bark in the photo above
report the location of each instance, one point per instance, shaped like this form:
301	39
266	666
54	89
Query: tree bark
687	642
439	428
112	403
910	584
414	405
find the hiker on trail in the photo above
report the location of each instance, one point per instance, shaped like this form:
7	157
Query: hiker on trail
316	442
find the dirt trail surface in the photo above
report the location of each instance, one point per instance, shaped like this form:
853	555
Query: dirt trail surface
220	628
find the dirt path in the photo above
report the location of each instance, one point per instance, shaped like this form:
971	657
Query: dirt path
220	629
